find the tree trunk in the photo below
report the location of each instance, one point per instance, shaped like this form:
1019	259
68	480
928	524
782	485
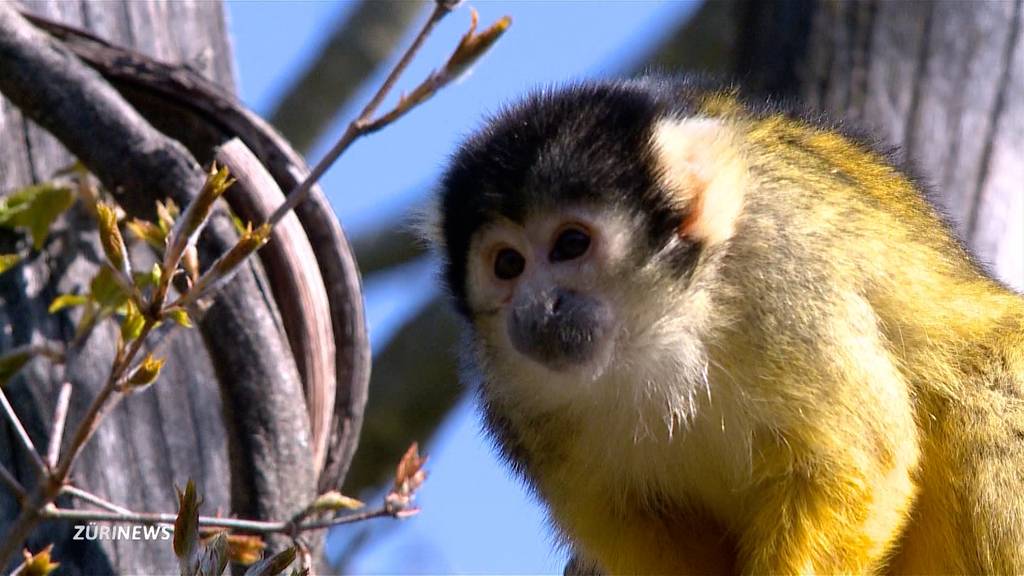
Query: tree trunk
941	80
156	439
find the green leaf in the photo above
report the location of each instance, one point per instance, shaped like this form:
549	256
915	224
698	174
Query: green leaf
191	222
186	525
8	261
166	214
111	239
11	363
106	290
88	319
131	326
142	279
146	372
153	235
180	316
239	225
146	279
35	208
67	301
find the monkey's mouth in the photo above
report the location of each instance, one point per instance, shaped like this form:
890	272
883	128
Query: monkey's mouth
560	329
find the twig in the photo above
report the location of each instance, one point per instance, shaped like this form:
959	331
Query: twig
12	483
249	526
91	420
94	499
14	359
352	132
60	416
35	508
349	57
51	350
469	49
441	9
23	436
305	555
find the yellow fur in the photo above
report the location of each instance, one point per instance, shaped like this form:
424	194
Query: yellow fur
837	390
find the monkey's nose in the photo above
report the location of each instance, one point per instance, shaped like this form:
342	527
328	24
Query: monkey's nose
559	328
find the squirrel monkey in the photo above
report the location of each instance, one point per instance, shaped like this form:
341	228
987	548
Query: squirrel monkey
717	338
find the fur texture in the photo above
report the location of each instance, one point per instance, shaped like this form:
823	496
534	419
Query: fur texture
808	374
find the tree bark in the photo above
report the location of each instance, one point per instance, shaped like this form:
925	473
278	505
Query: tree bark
941	80
202	116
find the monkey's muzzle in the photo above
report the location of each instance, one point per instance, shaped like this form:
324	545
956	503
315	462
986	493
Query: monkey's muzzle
559	328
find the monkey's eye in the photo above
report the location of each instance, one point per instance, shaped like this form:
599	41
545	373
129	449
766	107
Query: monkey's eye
570	245
508	264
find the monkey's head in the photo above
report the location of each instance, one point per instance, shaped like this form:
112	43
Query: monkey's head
578	228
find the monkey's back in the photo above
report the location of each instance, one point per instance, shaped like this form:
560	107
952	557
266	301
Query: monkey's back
956	336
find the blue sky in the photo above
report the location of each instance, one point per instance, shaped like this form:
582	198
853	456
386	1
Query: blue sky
475	519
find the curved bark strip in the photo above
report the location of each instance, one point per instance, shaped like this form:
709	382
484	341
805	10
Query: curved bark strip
198	112
297	284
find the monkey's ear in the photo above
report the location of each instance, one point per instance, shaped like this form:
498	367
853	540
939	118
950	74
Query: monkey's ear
703	169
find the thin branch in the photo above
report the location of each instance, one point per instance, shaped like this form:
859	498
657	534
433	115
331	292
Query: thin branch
52	350
354	51
12	483
470	48
341	520
22	434
352	133
91	498
60	416
305	555
248	526
93	416
441	9
35	508
15	358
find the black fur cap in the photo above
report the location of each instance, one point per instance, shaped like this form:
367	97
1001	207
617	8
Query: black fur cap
584	144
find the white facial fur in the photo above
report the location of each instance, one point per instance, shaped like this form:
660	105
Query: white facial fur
652	372
655	403
653	366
